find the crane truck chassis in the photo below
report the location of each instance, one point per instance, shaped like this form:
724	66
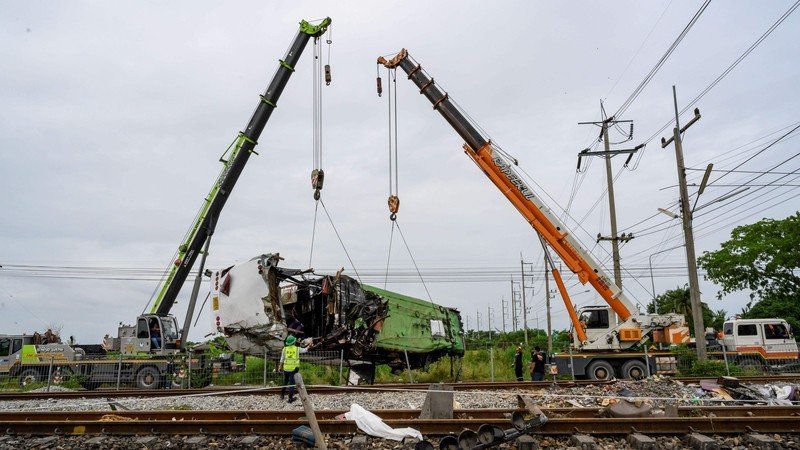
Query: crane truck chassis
30	362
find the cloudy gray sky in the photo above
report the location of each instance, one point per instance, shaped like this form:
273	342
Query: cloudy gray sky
114	114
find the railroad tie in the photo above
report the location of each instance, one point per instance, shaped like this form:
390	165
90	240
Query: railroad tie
96	441
46	440
640	441
701	442
249	440
358	442
526	442
583	442
195	440
762	441
146	440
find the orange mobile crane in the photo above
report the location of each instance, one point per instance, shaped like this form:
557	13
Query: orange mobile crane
601	340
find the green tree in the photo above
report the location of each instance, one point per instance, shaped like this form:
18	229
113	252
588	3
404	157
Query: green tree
679	301
763	257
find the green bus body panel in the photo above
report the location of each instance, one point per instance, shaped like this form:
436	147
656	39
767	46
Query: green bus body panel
408	327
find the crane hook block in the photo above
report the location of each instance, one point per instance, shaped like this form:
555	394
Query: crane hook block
327	74
380	87
317	179
394	206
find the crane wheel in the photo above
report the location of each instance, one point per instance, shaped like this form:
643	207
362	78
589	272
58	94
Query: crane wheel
29	377
634	370
148	378
600	370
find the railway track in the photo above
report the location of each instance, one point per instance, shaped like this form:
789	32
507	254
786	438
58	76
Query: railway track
562	422
250	390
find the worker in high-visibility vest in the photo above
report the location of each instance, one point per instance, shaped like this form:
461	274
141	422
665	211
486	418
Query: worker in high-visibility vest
290	364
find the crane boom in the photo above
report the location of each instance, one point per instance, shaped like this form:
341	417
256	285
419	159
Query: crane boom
499	169
237	157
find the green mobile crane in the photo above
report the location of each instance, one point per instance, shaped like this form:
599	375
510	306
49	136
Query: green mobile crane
156	332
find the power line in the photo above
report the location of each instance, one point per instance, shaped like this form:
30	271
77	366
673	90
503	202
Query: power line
730	67
662	60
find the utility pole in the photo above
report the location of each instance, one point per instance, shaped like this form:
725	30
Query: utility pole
524	303
688	233
489	321
503	306
513	307
607	154
547	305
478	319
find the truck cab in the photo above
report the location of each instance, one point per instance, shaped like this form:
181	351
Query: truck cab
152	334
596	321
761	339
10	347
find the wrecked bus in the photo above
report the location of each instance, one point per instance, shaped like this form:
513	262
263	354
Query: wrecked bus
255	303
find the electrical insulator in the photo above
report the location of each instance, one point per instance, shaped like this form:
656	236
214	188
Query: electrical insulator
327	74
380	87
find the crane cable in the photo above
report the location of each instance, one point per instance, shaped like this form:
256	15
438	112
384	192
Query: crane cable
394	184
317	174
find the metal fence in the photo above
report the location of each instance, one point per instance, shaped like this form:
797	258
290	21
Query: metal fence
330	368
742	361
193	370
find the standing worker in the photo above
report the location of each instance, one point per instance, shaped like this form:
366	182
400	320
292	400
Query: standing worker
290	364
518	364
537	364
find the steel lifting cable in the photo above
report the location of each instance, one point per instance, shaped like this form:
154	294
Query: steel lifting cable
411	255
394	177
394	200
340	240
317	174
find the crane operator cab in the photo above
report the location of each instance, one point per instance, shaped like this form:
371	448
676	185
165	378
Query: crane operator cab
596	321
152	334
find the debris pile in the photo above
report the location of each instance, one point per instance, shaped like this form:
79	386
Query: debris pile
659	392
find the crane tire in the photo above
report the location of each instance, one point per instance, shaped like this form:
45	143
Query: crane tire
148	377
634	369
29	376
600	370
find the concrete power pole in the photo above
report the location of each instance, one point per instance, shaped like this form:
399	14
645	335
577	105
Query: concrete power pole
607	154
513	307
547	305
524	303
503	310
489	321
688	233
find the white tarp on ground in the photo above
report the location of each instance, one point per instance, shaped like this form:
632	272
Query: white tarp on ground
374	426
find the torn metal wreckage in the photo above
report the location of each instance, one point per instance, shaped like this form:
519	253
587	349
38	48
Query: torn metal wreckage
257	304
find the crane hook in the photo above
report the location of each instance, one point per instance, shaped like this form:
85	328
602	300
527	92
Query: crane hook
394	206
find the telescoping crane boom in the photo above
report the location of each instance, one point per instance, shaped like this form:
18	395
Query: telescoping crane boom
233	161
634	327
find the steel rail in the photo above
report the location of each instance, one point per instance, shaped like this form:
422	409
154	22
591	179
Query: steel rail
386	414
430	427
318	389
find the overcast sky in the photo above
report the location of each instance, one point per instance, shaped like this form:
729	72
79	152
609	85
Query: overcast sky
114	115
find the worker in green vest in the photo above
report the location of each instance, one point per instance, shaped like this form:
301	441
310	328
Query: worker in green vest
290	364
